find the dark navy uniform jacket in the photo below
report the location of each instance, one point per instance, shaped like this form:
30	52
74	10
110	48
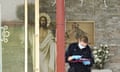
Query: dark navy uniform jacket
74	49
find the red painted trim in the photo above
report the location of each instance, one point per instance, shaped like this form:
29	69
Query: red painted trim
60	34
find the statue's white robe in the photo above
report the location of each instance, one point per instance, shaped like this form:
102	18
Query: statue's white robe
47	54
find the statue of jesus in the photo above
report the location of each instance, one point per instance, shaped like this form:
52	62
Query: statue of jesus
47	46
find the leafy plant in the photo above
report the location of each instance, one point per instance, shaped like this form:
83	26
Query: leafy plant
101	55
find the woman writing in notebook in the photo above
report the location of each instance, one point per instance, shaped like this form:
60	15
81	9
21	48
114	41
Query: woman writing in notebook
79	56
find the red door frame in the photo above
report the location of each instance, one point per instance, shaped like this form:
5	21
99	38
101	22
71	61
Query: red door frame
60	34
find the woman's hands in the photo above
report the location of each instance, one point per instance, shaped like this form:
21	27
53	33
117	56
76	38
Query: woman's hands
69	58
77	57
86	62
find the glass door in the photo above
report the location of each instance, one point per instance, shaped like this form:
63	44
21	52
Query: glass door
42	27
12	46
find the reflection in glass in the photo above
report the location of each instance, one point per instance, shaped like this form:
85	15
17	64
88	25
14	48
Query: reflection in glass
13	50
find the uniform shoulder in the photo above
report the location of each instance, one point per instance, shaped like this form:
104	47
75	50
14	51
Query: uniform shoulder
88	47
74	44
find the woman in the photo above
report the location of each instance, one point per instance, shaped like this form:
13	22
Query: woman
79	56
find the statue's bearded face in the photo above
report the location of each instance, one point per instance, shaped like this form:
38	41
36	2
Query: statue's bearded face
43	22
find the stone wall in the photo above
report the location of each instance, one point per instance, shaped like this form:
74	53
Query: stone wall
107	22
106	19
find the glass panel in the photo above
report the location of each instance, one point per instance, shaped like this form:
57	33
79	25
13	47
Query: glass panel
13	50
47	30
47	35
31	25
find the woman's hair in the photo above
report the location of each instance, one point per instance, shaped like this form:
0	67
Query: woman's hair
83	38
